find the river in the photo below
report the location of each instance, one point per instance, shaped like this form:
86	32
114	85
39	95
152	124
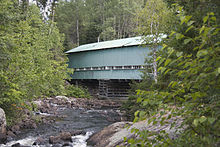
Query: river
90	121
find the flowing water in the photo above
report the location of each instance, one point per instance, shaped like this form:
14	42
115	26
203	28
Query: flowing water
89	121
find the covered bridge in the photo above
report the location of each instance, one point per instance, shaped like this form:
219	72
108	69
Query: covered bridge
107	68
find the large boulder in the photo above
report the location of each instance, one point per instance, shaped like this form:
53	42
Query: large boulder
114	134
2	126
101	139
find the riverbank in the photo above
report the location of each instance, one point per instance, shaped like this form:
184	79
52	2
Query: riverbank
59	111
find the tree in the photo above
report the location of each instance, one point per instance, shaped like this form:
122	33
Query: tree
32	60
92	21
154	20
189	63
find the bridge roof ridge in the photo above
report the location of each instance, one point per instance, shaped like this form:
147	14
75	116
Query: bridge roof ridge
108	44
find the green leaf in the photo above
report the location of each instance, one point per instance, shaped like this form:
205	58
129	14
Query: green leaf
163	69
158	58
178	54
167	71
211	13
189	29
142	114
196	122
167	62
136	113
182	18
190	23
211	120
170	83
171	34
179	36
170	51
202	29
213	18
202	119
205	19
185	19
201	53
139	99
219	70
161	61
186	41
174	84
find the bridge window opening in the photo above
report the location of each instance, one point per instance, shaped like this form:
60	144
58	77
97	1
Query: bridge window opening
127	67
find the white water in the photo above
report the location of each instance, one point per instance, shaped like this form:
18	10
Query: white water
78	119
78	141
26	141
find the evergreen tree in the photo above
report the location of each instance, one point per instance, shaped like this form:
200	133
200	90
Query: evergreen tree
32	60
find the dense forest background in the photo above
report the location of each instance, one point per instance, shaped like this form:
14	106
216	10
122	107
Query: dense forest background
91	21
35	34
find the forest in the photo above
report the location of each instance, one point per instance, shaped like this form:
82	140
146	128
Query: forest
34	35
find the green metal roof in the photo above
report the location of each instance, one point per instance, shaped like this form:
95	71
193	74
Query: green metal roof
134	41
108	44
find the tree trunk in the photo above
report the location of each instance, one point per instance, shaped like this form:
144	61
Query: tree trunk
77	31
154	53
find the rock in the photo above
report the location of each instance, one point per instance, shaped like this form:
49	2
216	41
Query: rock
19	145
77	132
39	141
114	134
67	145
9	138
64	136
38	103
57	145
11	134
16	145
100	139
54	140
33	126
62	98
15	129
2	126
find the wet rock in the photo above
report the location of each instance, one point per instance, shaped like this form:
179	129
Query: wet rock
11	134
2	126
77	132
15	129
64	136
39	141
9	138
54	140
33	125
16	145
57	145
67	145
19	145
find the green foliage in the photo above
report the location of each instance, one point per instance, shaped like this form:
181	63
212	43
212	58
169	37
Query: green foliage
189	81
77	92
160	21
97	20
31	60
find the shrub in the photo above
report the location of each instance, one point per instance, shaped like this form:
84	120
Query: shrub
77	92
